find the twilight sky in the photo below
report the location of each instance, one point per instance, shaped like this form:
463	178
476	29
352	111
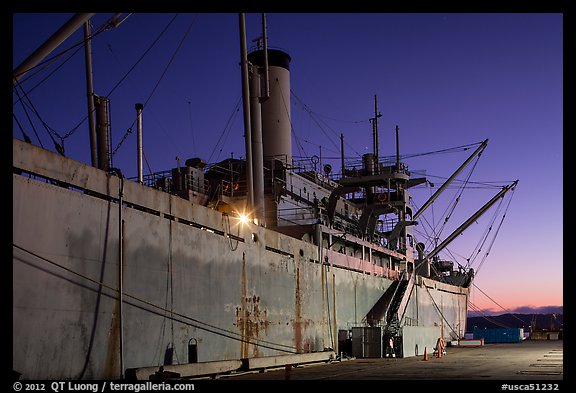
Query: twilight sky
446	79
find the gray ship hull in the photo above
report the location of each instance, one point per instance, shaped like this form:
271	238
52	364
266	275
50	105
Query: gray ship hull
190	275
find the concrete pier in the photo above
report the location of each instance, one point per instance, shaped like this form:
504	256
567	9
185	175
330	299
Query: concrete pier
528	360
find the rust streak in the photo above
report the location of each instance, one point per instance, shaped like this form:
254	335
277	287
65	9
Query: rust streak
297	325
112	354
243	309
251	319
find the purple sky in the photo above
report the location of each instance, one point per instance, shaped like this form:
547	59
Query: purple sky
446	80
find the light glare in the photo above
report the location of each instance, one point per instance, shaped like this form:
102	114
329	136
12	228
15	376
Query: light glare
243	218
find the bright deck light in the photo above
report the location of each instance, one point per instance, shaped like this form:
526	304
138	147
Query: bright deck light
243	218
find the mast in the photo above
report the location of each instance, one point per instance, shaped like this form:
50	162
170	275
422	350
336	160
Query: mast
266	89
342	152
139	108
397	150
90	93
374	122
257	96
246	109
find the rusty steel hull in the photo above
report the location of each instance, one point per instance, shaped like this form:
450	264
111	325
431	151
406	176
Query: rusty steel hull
192	278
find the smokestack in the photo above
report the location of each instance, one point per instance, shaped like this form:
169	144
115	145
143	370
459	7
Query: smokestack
276	123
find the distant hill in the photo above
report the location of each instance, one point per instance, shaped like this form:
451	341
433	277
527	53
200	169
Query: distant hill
543	321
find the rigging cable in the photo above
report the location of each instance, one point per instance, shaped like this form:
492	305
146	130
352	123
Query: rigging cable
440	311
487	185
46	63
482	241
101	29
24	135
484	237
311	113
486	317
143	55
80	45
226	129
227	232
445	151
129	130
59	148
324	132
496	303
452	206
31	125
163	72
46	77
497	231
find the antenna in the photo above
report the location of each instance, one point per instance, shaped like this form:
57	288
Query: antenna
374	121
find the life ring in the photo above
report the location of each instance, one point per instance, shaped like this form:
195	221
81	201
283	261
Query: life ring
382	197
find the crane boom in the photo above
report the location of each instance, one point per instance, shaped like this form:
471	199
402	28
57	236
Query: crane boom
473	218
52	43
447	182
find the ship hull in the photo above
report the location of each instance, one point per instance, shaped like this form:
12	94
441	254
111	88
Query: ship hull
193	280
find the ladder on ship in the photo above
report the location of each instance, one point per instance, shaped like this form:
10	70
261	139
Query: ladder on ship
397	306
389	310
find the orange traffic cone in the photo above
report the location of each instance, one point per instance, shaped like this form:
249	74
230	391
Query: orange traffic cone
425	354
